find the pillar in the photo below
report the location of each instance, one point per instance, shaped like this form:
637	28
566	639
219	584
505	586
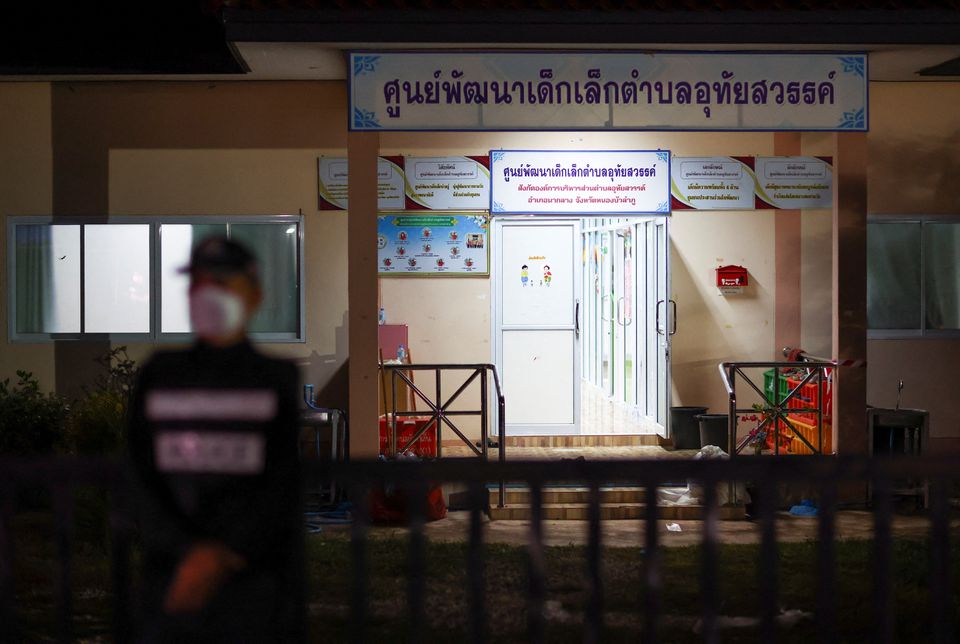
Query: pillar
787	297
850	291
362	151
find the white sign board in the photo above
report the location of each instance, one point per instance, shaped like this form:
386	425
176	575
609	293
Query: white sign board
712	183
447	183
795	182
579	182
477	90
333	175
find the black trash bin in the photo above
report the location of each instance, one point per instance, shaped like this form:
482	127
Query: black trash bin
714	430
684	426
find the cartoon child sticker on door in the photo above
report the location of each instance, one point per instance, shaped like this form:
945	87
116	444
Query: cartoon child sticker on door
524	275
547	275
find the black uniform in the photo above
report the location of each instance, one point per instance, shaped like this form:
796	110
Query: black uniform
213	439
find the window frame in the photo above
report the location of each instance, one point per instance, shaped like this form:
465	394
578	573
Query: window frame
921	333
154	222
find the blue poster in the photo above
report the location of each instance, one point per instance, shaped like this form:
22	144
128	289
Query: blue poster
433	246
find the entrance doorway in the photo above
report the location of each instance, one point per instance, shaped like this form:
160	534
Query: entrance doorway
582	323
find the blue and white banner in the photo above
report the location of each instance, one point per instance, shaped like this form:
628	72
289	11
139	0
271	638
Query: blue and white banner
579	182
444	90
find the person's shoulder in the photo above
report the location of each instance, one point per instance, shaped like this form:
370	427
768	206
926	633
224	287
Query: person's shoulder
164	360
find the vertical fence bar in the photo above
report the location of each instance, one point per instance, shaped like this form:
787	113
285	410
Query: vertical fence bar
502	439
416	505
710	561
120	540
882	583
392	416
484	416
734	422
768	562
475	568
652	580
63	518
535	629
594	623
826	561
940	598
776	415
360	494
8	621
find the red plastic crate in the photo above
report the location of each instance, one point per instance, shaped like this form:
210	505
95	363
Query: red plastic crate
407	427
807	397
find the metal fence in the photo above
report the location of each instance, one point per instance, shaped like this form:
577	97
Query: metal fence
825	473
780	410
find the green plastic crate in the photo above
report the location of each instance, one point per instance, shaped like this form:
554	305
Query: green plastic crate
783	389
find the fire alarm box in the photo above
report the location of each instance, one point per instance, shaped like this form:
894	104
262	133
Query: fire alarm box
731	277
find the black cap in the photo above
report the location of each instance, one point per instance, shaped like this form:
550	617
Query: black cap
222	256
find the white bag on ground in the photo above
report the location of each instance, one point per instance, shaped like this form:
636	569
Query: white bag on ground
693	494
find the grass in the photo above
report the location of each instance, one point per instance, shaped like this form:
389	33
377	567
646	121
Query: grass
330	575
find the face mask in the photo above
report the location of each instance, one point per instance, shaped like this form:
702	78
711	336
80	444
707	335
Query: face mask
216	312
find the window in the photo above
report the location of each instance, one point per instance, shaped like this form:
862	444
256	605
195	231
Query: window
121	279
913	285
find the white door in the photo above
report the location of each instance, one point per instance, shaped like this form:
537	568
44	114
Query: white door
664	323
536	279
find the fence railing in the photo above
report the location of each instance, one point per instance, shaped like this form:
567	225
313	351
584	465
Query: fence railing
780	412
826	475
440	410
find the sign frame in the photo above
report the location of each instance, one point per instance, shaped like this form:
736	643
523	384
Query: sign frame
663	210
361	61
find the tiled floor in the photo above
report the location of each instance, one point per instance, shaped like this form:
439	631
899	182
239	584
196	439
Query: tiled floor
600	415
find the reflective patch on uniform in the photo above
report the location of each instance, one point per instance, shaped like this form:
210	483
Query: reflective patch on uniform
209	452
211	404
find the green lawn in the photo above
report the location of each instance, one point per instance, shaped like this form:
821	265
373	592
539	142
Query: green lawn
446	601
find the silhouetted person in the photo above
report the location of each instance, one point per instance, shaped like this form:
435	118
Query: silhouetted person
213	440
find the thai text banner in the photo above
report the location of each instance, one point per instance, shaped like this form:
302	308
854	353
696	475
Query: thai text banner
580	182
607	91
748	183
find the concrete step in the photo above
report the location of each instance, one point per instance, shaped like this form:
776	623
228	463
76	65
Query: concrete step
610	511
569	494
585	440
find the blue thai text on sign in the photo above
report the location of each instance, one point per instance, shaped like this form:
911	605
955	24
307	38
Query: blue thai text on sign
443	90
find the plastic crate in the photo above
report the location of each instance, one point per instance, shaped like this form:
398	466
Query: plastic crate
782	389
808	431
407	427
808	397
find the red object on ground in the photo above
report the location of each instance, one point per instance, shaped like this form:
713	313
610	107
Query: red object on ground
389	504
407	427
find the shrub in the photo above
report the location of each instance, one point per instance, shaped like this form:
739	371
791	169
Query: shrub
98	420
31	422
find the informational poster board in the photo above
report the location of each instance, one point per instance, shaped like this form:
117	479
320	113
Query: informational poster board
454	245
795	182
332	178
712	183
447	183
751	183
580	182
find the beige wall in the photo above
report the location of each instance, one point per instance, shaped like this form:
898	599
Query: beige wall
914	168
195	148
449	319
26	188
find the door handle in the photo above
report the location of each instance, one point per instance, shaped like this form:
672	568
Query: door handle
674	318
656	324
627	321
619	302
576	320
